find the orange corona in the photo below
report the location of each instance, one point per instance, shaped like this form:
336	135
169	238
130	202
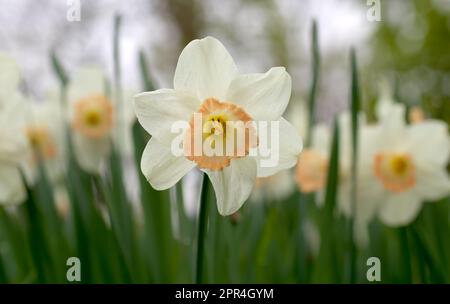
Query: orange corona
311	171
396	171
220	122
93	116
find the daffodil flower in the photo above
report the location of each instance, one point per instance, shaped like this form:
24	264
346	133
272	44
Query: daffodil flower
44	129
207	81
91	116
96	119
13	144
404	166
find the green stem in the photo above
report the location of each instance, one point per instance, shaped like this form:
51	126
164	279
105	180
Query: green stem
314	82
118	96
202	222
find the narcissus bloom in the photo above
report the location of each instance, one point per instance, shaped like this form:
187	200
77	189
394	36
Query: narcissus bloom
98	120
406	166
13	144
44	129
91	115
207	81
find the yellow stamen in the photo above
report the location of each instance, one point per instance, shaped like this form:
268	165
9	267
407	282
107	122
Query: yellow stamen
396	171
216	116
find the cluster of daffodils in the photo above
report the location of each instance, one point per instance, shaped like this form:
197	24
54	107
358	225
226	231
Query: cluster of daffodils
35	133
400	166
207	83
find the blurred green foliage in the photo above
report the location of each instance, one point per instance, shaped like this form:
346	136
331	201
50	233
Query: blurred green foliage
412	45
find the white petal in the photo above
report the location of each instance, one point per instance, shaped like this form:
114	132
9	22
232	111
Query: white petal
157	111
400	209
369	195
85	82
432	183
90	153
9	77
370	143
233	184
263	96
13	143
161	168
390	111
430	142
298	115
288	149
205	68
12	190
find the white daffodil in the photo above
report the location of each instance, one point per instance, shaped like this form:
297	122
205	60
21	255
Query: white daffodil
207	82
44	129
13	144
91	115
404	166
98	121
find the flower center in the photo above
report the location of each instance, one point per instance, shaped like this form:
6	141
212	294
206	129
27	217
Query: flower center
311	171
395	170
93	116
217	133
41	141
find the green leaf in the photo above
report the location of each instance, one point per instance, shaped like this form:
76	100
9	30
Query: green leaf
145	74
355	105
326	269
201	232
59	70
159	243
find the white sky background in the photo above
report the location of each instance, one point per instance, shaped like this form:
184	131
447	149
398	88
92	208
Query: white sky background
30	29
